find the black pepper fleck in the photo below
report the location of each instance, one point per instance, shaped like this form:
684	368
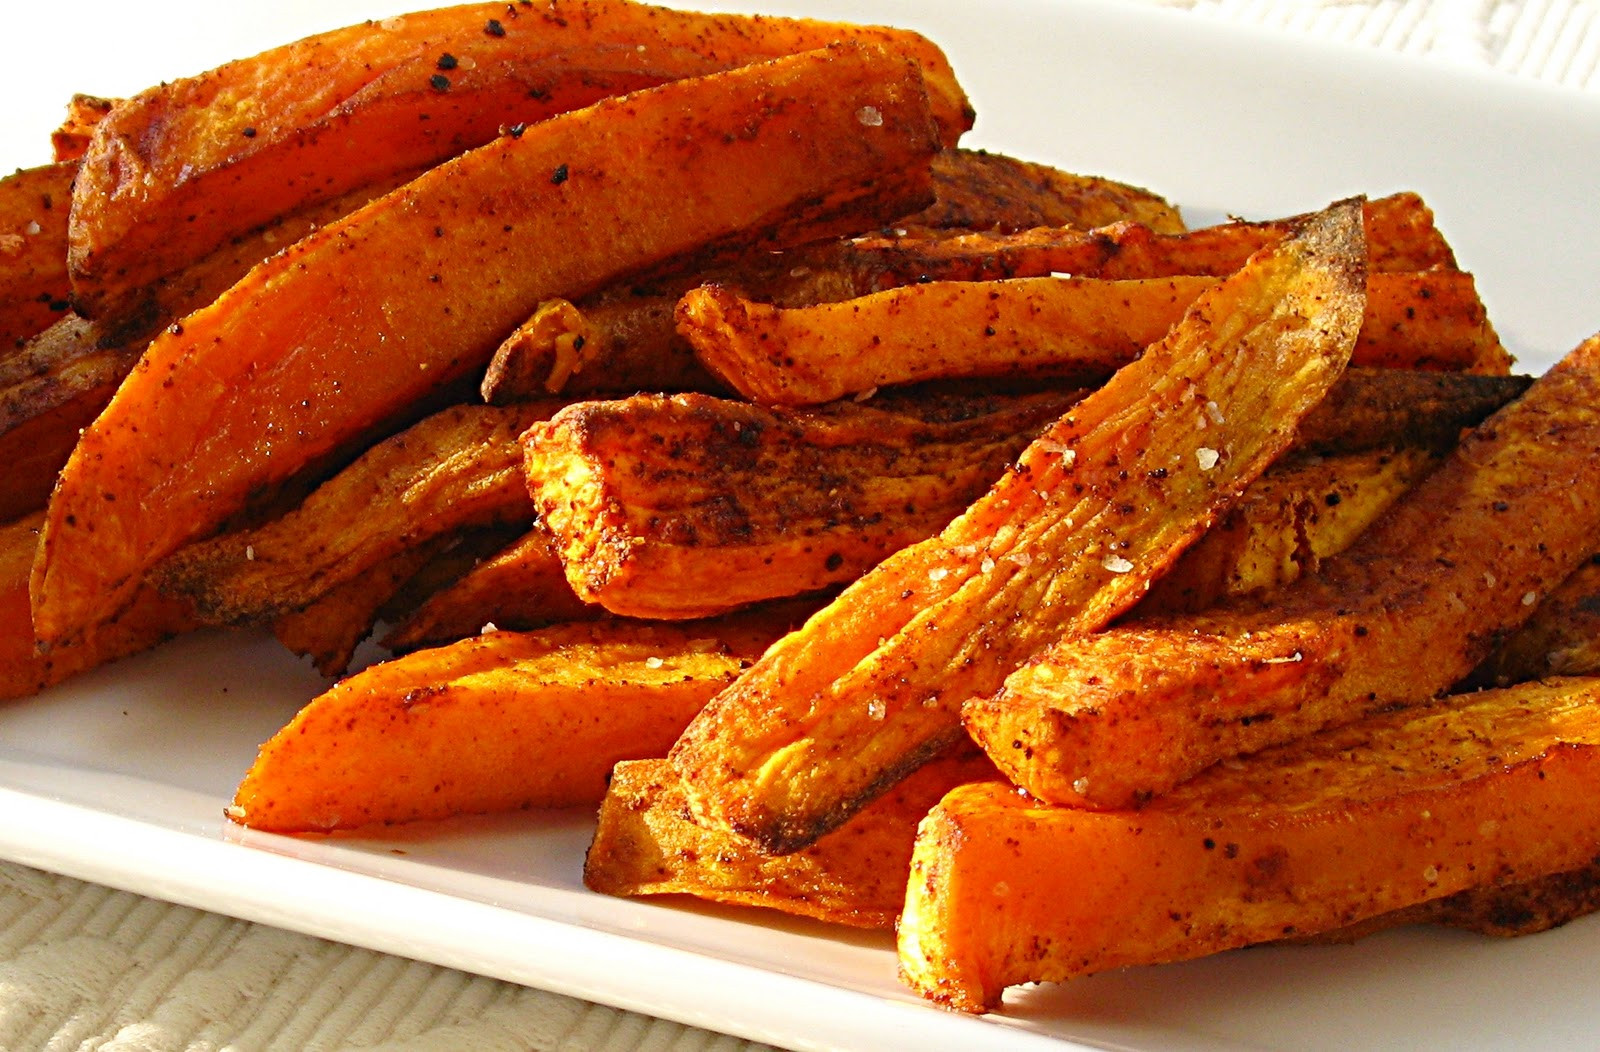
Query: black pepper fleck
494	28
439	82
448	61
559	176
249	133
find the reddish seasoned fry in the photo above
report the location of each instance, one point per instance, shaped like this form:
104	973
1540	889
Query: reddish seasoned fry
71	139
1406	612
456	469
33	242
1401	238
1079	329
329	630
1297	515
177	170
647	843
503	721
1562	638
1095	508
690	506
977	190
1483	789
151	619
523	586
273	379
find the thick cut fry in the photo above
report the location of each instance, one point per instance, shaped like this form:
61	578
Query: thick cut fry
688	506
1297	515
1068	539
456	469
33	241
151	619
431	277
1077	329
1383	408
503	721
977	190
1398	618
1484	789
647	843
521	587
177	170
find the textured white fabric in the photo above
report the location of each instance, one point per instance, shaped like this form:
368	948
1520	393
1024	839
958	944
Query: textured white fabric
87	968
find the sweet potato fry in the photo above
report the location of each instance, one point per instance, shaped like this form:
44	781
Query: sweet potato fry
1408	610
70	140
503	721
521	587
175	171
329	630
977	190
689	506
431	277
1400	231
1562	638
151	619
456	469
1481	789
34	206
1075	329
647	843
1068	539
1383	408
1297	515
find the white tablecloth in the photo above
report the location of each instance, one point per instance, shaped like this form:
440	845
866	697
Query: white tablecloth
86	967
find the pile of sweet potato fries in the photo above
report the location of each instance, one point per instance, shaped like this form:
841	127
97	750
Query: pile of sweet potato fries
875	530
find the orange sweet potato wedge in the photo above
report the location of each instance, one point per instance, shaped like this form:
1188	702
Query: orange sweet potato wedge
1076	329
34	205
151	619
503	721
429	279
690	506
1476	791
647	843
1399	617
1103	501
177	170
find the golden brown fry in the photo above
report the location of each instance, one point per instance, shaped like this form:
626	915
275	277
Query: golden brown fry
1067	540
456	469
1077	329
33	241
1411	608
503	721
177	170
524	586
1481	789
432	277
978	190
648	843
688	506
151	619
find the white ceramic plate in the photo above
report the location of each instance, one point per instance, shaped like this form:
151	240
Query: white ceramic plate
121	777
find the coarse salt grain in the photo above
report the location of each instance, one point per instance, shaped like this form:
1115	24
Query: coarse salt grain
862	396
1431	874
1117	564
32	228
1080	786
938	573
1214	411
1206	457
250	553
986	565
877	709
653	662
1530	598
489	628
1291	659
870	116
